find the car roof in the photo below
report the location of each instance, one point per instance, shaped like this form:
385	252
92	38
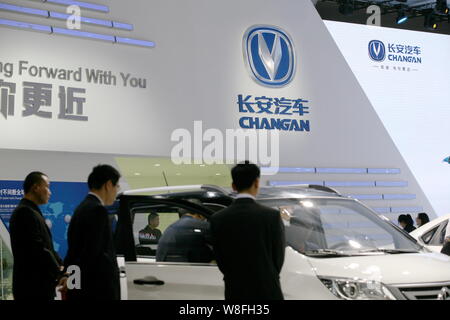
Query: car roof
297	192
206	193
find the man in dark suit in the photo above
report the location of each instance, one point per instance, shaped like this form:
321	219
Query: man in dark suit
90	239
249	241
37	267
186	240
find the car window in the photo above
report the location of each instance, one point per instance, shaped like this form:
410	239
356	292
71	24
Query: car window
444	232
442	237
323	225
214	206
426	238
149	223
170	233
439	236
360	230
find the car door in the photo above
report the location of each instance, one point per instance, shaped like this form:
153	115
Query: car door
437	240
147	278
433	239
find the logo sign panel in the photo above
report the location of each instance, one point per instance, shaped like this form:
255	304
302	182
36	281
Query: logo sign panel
377	50
269	55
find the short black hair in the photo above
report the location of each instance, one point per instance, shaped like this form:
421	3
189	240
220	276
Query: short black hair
404	218
152	216
410	219
101	174
182	211
31	179
244	175
423	217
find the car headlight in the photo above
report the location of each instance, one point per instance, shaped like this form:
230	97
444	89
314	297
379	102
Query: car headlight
354	289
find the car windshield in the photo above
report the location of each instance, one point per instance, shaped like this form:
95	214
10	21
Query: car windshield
338	227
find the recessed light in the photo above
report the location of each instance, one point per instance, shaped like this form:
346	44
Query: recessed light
218	174
178	174
137	174
157	165
202	165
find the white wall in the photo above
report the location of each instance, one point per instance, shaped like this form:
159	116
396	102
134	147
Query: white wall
195	72
414	106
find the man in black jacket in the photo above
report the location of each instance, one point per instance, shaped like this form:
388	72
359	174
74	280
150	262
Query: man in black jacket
90	239
37	267
186	240
249	241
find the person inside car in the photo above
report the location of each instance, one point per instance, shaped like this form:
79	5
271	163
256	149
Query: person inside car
186	240
150	234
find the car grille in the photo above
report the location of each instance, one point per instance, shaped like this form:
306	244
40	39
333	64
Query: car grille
430	291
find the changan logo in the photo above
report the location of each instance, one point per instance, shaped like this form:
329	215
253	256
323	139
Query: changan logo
377	50
269	55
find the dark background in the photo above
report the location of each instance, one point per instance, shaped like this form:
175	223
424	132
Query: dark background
328	10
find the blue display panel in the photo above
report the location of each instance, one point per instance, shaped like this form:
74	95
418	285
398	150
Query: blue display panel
64	199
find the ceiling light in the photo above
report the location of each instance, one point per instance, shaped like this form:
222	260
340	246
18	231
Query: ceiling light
430	21
402	17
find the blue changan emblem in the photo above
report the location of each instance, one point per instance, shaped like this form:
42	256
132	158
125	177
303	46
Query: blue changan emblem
269	55
377	50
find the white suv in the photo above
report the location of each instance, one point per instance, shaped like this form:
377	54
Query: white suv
337	248
432	234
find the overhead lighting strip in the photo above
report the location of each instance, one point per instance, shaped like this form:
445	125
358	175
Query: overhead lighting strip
25	25
135	42
81	4
26	10
84	34
97	22
121	25
76	33
406	209
65	16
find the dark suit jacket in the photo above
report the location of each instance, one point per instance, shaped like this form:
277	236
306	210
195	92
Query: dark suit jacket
90	246
249	246
186	240
409	228
36	264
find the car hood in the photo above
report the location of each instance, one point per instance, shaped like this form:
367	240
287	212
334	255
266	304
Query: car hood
402	268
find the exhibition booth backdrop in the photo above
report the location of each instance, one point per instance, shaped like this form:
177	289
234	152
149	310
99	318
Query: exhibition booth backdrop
411	98
71	99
